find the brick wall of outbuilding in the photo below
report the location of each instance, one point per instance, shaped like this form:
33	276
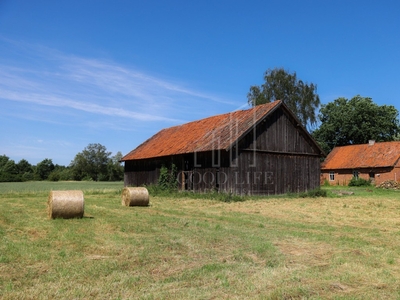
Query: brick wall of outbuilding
343	177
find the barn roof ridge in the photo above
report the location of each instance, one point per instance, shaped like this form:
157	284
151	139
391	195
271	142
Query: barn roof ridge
367	144
214	116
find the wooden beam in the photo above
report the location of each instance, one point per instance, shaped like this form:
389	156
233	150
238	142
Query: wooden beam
280	153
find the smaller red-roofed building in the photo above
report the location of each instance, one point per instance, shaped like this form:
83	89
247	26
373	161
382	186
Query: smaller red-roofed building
260	151
374	161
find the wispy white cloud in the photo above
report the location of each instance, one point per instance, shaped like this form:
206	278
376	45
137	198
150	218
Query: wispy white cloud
127	81
54	100
94	86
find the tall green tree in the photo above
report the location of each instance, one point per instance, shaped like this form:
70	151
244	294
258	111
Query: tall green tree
24	167
3	160
8	169
279	84
44	168
91	163
25	170
355	121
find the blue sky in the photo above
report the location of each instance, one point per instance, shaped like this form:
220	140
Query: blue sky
116	72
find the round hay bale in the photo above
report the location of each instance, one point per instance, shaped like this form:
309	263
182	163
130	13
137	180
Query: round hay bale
135	196
65	204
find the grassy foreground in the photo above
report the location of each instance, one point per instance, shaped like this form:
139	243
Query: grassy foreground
341	247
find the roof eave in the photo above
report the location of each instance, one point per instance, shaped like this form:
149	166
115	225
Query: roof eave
357	167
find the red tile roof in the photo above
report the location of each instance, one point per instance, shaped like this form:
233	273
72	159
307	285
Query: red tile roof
385	154
213	133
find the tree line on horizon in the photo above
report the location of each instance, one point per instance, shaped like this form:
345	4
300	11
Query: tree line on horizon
94	163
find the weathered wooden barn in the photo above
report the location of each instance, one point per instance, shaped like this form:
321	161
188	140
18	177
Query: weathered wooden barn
260	151
376	162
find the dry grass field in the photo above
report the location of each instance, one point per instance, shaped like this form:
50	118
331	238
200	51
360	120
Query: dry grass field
338	247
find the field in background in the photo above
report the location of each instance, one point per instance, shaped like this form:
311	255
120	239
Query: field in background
340	247
46	186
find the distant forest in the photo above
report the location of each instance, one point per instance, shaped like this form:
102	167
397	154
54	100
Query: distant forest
93	163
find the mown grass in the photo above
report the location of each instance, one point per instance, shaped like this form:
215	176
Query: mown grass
339	247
